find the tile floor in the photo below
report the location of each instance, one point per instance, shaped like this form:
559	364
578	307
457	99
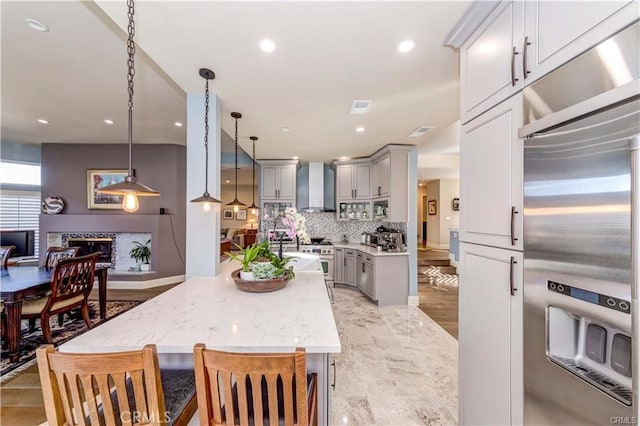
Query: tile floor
397	366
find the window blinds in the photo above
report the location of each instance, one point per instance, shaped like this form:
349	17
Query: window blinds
20	210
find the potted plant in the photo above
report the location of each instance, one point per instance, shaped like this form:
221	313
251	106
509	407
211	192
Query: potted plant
141	254
259	263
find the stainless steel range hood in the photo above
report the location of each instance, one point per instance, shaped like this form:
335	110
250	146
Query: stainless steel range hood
316	188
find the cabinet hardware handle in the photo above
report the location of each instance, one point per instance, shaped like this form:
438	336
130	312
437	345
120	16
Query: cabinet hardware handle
514	212
363	268
345	261
333	364
525	72
513	67
355	193
512	286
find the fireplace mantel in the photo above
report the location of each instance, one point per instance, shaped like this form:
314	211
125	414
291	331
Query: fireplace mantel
165	259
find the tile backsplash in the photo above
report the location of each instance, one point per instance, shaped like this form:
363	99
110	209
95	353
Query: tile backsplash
326	225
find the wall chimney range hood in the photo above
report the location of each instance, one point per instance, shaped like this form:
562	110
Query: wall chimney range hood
315	188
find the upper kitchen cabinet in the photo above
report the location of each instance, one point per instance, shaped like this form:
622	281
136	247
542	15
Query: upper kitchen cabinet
353	181
381	176
278	179
556	32
491	162
488	59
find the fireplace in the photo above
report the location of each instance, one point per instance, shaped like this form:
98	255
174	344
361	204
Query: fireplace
92	245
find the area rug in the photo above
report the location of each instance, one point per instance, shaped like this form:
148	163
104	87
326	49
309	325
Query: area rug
72	326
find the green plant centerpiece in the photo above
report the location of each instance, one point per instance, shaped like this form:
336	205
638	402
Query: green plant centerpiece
260	265
141	253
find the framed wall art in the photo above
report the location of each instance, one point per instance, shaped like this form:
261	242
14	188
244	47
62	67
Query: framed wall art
241	215
455	204
227	214
432	207
98	178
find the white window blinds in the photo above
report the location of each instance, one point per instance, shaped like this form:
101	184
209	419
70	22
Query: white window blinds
20	210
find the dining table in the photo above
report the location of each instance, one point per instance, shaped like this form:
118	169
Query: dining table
18	283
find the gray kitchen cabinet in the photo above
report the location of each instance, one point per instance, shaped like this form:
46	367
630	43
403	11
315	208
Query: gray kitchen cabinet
353	181
490	341
365	275
381	176
350	267
556	32
338	266
391	167
278	180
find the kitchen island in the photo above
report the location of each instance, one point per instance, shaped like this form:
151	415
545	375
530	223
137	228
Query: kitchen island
213	311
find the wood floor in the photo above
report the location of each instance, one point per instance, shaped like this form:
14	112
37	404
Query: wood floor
21	396
438	299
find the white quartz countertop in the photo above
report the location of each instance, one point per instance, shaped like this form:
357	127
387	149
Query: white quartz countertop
213	311
368	249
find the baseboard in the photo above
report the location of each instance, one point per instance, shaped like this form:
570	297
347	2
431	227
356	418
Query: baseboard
438	246
413	300
452	260
141	285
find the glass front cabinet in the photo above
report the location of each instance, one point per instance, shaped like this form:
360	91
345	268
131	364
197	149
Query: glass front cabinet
271	209
381	209
354	210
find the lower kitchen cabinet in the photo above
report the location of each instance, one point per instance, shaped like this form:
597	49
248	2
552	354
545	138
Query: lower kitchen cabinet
350	267
365	278
338	266
490	336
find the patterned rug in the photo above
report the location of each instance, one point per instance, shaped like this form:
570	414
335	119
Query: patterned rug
71	328
432	275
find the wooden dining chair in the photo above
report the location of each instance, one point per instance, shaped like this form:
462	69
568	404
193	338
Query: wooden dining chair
56	254
119	388
5	253
237	388
71	283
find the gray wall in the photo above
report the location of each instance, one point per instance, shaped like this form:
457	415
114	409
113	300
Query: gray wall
162	167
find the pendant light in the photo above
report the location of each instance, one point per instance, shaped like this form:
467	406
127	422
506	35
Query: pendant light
235	203
206	199
130	189
253	209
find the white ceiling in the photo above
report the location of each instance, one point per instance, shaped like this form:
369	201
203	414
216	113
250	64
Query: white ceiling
74	76
329	54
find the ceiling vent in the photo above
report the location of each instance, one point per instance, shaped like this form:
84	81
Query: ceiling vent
420	131
360	107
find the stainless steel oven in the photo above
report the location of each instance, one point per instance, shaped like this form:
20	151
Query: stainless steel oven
325	252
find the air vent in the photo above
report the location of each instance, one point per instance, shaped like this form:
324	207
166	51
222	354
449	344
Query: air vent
360	107
420	131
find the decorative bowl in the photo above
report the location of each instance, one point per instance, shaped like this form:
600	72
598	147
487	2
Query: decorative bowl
259	286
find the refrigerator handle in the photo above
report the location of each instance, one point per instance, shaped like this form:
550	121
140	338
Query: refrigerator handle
635	269
512	286
514	212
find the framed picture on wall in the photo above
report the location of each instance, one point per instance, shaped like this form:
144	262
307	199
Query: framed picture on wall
455	204
432	207
227	214
96	179
241	215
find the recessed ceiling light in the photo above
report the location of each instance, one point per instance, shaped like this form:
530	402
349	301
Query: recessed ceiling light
42	121
360	129
295	157
406	46
108	121
286	129
36	25
267	45
177	124
227	181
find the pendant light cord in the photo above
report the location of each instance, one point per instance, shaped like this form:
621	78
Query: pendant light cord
206	137
131	71
236	160
253	176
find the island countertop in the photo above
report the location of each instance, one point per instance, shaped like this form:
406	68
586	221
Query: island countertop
213	311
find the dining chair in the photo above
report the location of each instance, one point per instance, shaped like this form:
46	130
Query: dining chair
5	253
71	283
235	388
56	254
114	388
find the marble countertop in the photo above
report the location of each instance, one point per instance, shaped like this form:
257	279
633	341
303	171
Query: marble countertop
213	311
368	249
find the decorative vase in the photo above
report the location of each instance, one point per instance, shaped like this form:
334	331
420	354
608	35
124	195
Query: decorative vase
259	286
247	276
145	267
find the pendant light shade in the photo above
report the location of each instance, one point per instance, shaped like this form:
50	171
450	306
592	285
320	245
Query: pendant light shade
253	209
206	199
235	204
130	189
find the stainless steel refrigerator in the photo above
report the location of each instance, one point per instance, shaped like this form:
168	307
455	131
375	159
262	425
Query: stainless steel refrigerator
581	221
